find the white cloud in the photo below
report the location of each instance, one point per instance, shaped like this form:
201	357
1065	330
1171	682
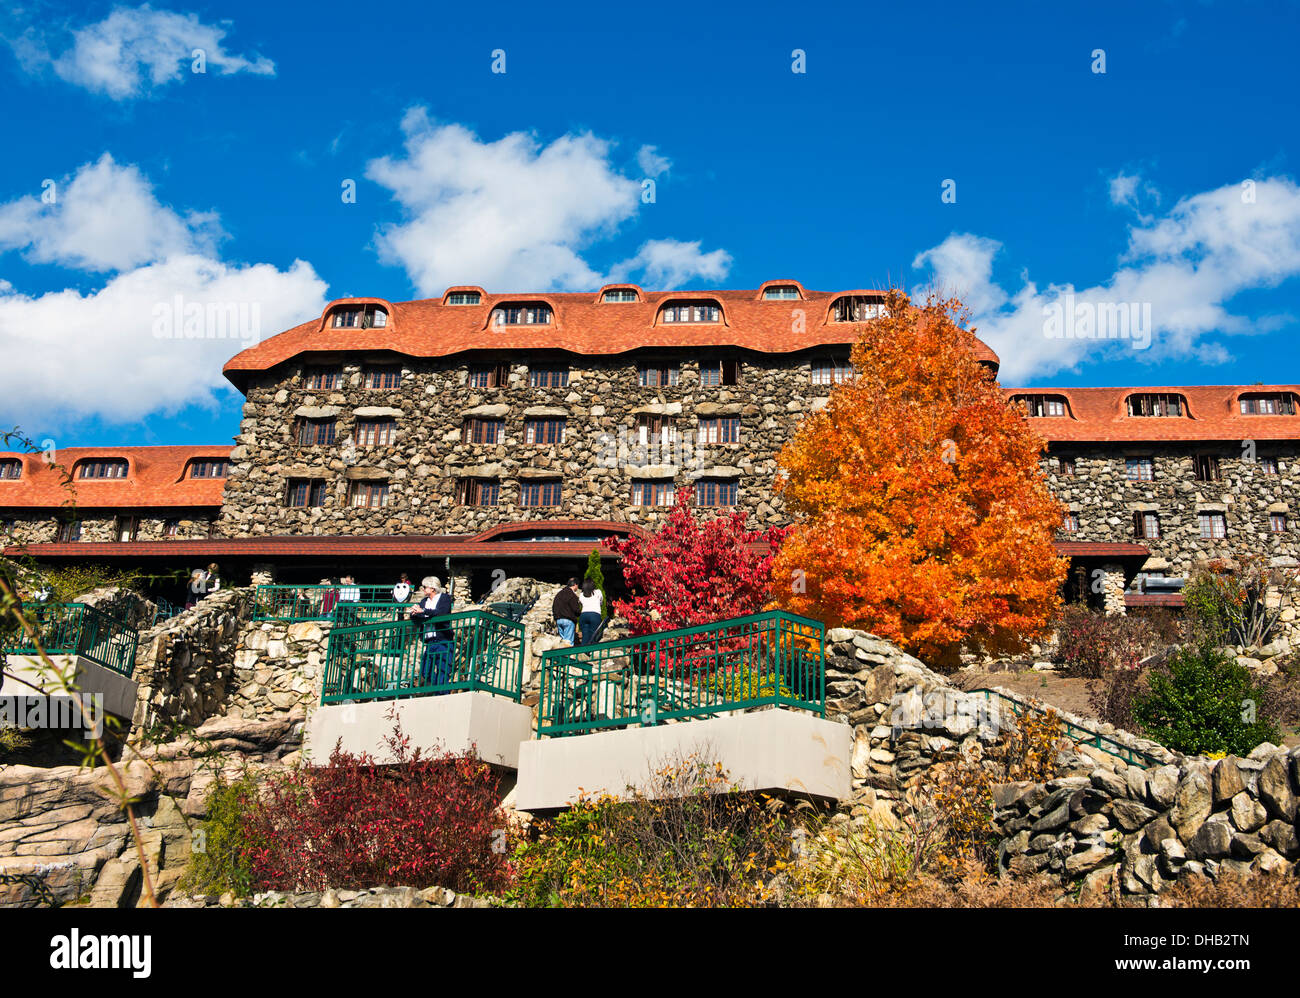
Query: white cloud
1185	267
510	214
1123	188
669	263
651	163
134	51
72	355
105	217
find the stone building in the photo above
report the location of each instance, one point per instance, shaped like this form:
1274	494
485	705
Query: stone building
510	433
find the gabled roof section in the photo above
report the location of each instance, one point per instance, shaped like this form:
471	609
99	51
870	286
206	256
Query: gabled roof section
582	324
156	477
1213	413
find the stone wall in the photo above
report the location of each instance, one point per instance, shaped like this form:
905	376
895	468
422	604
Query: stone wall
375	897
42	526
432	401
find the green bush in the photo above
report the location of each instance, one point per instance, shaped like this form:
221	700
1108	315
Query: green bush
219	857
597	577
1201	701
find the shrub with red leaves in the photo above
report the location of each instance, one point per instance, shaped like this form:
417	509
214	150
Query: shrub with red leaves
693	571
422	821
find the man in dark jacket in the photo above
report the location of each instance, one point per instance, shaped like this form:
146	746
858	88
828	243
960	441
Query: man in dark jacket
565	610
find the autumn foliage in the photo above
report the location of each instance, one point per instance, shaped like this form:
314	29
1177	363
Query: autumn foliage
694	571
922	513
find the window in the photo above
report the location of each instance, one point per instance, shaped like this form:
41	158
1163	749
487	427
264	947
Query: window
489	376
1042	405
305	492
719	372
652	492
210	468
544	493
382	377
483	431
781	292
313	432
124	528
1207	468
657	375
69	531
1146	525
1156	404
1268	465
1213	526
1139	469
375	432
171	528
522	315
548	377
464	298
691	313
321	378
478	492
857	308
654	429
831	371
100	468
719	430
1277	523
1070	523
1282	404
544	431
213	530
619	295
11	468
360	317
7	527
368	495
1067	466
717	492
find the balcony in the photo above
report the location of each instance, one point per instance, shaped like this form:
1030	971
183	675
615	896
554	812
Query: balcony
748	693
92	652
345	605
454	682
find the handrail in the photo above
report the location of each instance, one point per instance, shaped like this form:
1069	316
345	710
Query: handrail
80	629
774	658
466	650
295	604
1094	738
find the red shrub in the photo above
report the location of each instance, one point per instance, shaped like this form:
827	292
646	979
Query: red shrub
423	821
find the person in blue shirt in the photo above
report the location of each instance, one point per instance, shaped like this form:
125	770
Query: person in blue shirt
439	642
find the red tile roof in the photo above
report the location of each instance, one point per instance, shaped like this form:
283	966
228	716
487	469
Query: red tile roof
156	477
1101	549
1212	413
582	323
1154	599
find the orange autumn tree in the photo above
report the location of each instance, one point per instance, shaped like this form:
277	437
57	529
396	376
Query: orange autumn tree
922	514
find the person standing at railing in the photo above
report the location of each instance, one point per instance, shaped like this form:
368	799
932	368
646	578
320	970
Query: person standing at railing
589	604
435	661
565	609
350	593
197	588
402	591
329	597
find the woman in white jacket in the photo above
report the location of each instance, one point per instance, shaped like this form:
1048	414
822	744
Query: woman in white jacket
589	617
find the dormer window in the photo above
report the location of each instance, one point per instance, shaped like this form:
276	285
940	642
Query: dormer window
781	292
522	315
1267	404
1043	405
101	468
691	312
210	468
11	469
619	295
857	308
360	317
464	298
1156	404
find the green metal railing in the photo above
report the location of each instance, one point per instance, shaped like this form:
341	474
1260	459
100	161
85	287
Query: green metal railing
693	672
78	629
293	604
469	650
1077	733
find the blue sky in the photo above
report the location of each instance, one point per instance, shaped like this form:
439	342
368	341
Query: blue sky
1126	187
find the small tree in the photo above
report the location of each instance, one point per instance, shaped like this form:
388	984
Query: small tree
923	513
1238	602
1202	701
597	576
694	571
